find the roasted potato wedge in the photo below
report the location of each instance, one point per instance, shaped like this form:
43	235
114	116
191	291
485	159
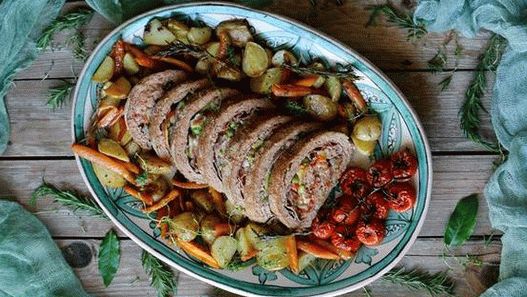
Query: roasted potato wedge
179	29
105	71
154	165
334	88
208	227
364	147
107	177
238	31
282	57
263	83
223	249
254	60
234	213
368	128
157	34
119	89
203	200
130	65
185	226
113	149
199	35
272	254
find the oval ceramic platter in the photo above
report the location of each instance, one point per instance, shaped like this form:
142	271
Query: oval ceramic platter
401	128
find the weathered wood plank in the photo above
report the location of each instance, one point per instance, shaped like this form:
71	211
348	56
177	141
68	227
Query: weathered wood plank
31	119
385	46
425	253
454	178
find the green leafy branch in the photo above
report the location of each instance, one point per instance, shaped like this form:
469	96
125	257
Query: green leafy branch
469	113
58	95
436	284
415	29
161	276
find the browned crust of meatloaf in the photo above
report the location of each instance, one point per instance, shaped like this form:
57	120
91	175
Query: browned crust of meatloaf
141	100
162	108
181	128
256	209
206	153
288	164
240	151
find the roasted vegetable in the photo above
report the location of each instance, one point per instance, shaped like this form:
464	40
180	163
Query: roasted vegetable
184	226
346	110
156	187
238	31
263	83
364	147
179	29
334	88
199	35
105	71
154	165
320	107
227	72
367	129
129	64
245	247
316	250
132	148
272	253
284	57
107	177
157	34
119	89
290	90
172	195
355	96
119	133
212	227
255	232
304	260
320	79
234	213
203	200
223	249
111	148
254	60
197	251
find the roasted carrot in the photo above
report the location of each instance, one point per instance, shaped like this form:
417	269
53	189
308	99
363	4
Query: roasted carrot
143	197
290	90
307	81
198	252
251	254
140	57
131	167
117	54
225	43
355	96
173	194
188	185
173	61
342	253
112	164
111	117
292	251
315	250
221	229
217	199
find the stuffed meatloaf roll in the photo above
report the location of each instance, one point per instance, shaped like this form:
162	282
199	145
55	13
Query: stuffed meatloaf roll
141	101
218	134
256	184
244	153
304	175
165	114
189	127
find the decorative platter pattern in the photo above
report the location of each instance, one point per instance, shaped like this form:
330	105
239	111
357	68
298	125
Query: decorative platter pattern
401	128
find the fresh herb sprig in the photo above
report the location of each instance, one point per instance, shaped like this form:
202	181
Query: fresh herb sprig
436	284
161	276
77	42
69	199
469	113
344	73
58	95
415	29
70	21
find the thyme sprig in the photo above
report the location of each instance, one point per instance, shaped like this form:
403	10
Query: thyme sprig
69	199
343	73
58	95
415	29
469	113
70	21
436	284
161	276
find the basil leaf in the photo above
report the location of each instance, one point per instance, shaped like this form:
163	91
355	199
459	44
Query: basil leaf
462	221
109	257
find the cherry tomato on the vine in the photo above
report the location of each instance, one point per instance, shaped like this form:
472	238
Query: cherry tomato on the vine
344	239
376	206
355	183
404	164
370	233
401	196
380	173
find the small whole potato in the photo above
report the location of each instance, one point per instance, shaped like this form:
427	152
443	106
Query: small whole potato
368	128
254	60
320	107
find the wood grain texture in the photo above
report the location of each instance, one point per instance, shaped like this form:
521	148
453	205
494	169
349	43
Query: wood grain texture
438	111
383	45
454	178
131	280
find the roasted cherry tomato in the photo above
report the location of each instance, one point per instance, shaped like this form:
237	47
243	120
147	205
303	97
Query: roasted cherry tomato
401	196
404	164
370	233
376	206
344	239
380	173
323	230
355	183
346	211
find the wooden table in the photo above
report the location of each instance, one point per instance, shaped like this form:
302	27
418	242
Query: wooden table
41	138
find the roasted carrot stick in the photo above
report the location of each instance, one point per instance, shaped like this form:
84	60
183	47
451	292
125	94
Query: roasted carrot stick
307	81
143	197
173	61
140	57
131	167
112	164
198	252
292	251
188	185
173	194
290	90
342	253
355	96
217	199
251	254
111	117
315	250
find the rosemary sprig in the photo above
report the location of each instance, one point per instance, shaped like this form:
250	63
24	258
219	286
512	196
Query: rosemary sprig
438	62
59	94
436	284
70	21
445	83
161	276
68	199
343	73
77	43
367	291
415	30
469	112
